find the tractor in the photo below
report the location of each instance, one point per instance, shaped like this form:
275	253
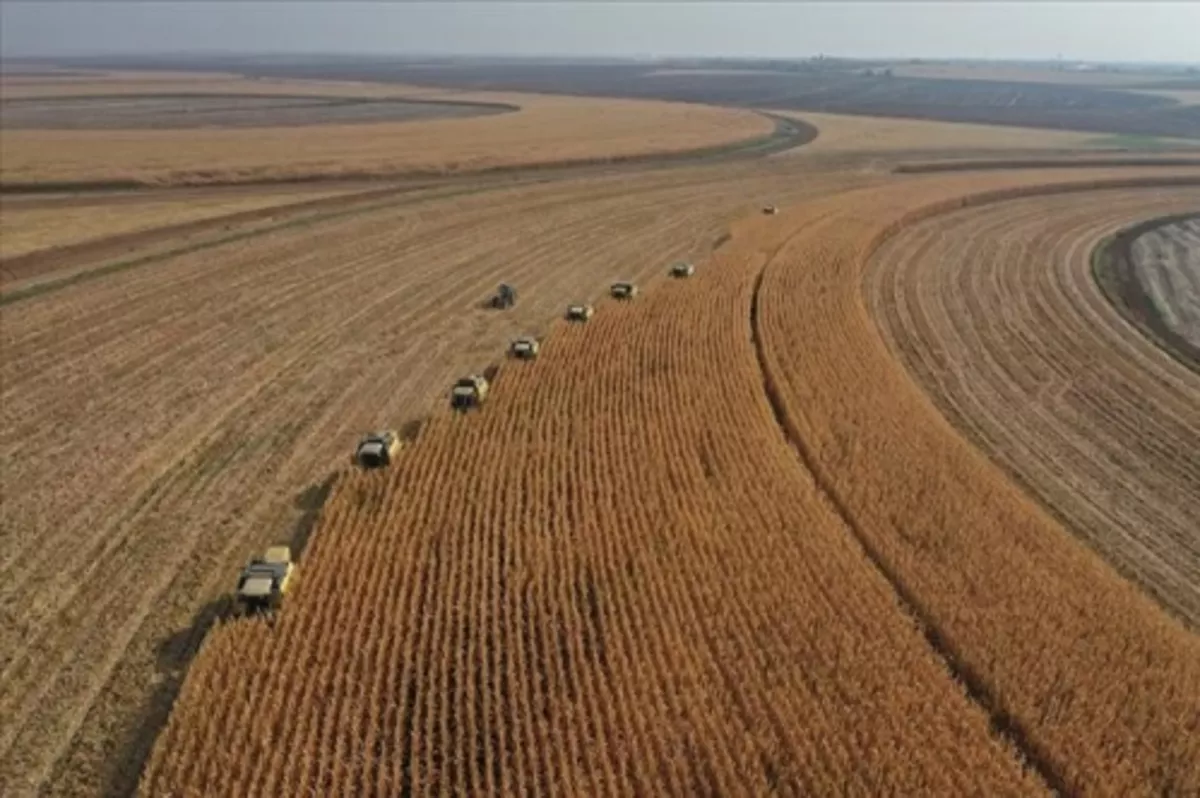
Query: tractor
579	312
469	392
505	297
525	348
265	580
683	269
623	290
377	449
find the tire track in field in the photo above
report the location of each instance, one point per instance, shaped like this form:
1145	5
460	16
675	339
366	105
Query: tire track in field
1108	423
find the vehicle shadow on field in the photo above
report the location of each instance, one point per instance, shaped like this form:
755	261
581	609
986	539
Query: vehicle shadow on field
310	502
175	654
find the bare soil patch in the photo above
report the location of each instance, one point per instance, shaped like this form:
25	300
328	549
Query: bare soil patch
1151	274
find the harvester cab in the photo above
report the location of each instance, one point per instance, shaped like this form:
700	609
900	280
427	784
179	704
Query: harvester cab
525	348
265	580
683	269
469	392
623	290
579	312
377	449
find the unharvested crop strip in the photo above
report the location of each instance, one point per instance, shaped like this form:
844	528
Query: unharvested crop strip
1002	724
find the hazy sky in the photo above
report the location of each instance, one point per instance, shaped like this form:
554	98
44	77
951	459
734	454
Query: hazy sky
1118	31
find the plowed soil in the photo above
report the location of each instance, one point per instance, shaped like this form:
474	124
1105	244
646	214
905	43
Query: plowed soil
1167	265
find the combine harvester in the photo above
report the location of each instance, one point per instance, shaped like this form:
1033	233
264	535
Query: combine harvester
580	312
623	290
264	581
377	449
682	269
525	348
469	392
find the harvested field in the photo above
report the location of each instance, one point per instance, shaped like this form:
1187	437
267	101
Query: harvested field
224	386
31	224
192	111
546	130
995	308
841	134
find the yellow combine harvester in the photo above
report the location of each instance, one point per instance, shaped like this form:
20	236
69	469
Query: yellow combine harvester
377	449
525	348
469	392
623	290
579	312
265	580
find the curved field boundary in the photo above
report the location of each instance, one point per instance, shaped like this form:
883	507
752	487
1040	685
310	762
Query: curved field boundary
1114	271
1056	641
994	311
988	165
788	134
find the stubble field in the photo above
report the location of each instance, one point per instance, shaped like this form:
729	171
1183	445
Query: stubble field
744	534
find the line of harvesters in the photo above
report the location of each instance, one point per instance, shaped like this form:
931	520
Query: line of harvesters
265	580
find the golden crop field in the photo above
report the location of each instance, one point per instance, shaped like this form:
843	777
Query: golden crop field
545	130
786	526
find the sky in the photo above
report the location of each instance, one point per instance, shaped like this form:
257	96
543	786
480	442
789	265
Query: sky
1097	30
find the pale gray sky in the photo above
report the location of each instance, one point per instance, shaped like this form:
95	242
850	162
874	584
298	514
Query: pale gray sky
1115	31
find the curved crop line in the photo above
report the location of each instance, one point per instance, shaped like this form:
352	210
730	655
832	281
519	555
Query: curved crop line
1002	724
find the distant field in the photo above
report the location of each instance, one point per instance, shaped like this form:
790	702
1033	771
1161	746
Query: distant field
841	133
546	130
190	111
1020	74
1013	100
